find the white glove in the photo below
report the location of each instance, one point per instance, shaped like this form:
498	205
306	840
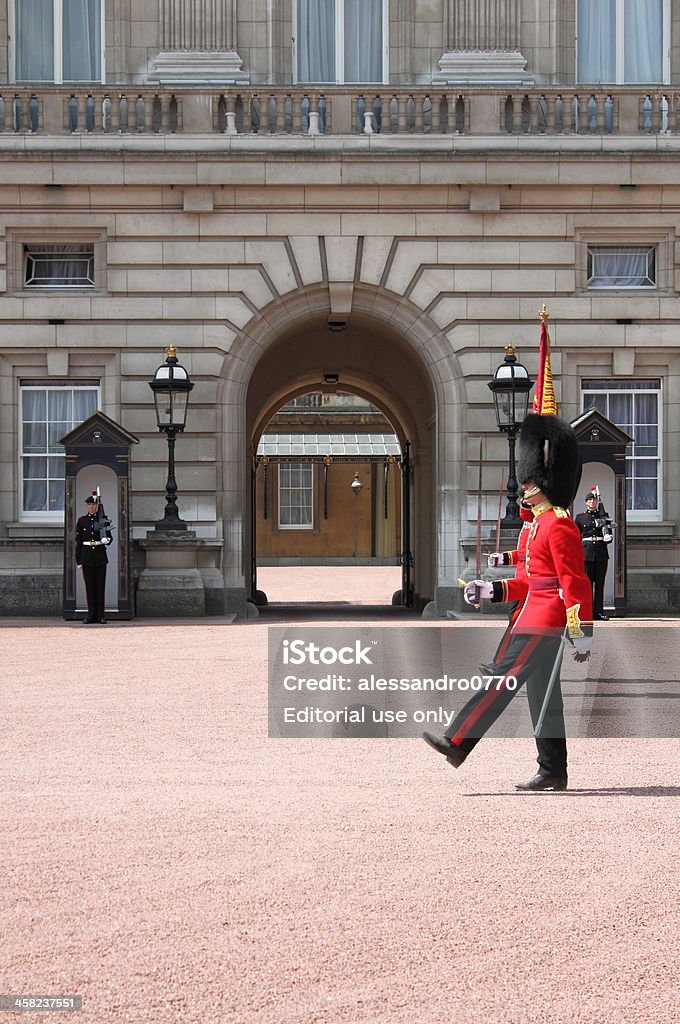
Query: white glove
106	540
581	646
495	560
477	589
607	538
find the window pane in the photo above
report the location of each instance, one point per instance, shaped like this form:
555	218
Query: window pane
316	41
621	266
59	404
596	27
295	494
84	404
82	40
598	402
620	410
35	495
646	409
35	469
363	40
56	495
59	265
34	405
34	41
645	495
643	41
55	431
35	437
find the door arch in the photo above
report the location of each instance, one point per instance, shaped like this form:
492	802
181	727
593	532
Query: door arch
389	352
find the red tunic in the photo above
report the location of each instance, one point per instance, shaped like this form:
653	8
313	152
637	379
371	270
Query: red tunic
556	589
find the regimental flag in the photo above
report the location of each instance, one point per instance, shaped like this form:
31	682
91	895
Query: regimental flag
544	401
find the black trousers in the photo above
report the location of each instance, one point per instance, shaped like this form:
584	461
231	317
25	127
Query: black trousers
530	659
95	585
597	572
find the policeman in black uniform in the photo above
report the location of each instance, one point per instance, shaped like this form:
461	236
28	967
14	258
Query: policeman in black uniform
596	534
92	539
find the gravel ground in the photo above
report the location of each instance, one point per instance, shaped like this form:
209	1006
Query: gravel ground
166	861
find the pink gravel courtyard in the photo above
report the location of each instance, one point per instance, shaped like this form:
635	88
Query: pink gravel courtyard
165	860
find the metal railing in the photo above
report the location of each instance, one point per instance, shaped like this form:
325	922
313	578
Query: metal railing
338	110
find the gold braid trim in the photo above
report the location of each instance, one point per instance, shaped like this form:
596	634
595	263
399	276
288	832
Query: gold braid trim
573	621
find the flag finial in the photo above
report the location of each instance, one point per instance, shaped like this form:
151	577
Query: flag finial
544	315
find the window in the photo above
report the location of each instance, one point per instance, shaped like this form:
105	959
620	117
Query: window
48	411
621	266
341	40
55	265
622	40
296	493
635	406
58	40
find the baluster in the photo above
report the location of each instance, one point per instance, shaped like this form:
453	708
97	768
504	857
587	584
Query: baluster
2	113
279	114
656	113
419	118
599	114
551	113
533	114
165	114
436	114
34	113
297	113
17	113
148	113
672	98
517	101
402	114
263	121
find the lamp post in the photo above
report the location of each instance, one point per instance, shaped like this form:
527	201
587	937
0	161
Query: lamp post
171	386
510	388
356	486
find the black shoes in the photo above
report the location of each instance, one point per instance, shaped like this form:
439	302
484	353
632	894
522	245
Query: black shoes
601	618
102	622
541	783
88	621
454	755
488	669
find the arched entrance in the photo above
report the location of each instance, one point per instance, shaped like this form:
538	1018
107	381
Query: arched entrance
383	348
368	359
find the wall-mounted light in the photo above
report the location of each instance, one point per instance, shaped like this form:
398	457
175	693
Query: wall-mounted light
356	484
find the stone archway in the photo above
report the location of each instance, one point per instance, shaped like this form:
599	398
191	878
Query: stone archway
387	351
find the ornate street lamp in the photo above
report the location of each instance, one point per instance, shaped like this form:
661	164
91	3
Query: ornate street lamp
510	388
356	484
171	387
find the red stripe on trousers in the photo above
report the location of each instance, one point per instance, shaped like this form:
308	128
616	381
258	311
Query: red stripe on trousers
491	695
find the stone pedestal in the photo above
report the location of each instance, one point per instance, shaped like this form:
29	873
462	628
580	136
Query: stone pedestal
186	66
493	68
181	578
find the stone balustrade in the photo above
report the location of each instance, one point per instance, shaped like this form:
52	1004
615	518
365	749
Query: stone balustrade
338	110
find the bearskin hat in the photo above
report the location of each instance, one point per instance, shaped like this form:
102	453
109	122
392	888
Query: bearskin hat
548	455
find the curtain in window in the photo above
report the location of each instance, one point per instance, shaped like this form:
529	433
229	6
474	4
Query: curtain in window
59	265
34	41
363	40
48	414
82	40
620	267
643	34
596	26
316	40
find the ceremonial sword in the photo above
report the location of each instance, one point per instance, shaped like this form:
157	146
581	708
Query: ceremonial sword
551	682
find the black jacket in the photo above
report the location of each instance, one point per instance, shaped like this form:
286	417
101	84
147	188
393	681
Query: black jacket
594	550
87	529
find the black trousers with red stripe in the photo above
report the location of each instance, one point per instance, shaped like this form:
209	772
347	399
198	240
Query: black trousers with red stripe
530	659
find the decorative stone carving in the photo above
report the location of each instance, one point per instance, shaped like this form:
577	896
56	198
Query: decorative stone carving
482	38
198	42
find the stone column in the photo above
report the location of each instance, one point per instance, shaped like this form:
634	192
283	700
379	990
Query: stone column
198	40
482	39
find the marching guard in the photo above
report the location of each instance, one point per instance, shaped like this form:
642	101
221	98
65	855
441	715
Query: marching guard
555	593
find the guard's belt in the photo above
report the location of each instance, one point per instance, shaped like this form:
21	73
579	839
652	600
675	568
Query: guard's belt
592	540
93	543
544	583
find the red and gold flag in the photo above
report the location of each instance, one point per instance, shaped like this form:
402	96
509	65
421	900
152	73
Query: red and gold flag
544	401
